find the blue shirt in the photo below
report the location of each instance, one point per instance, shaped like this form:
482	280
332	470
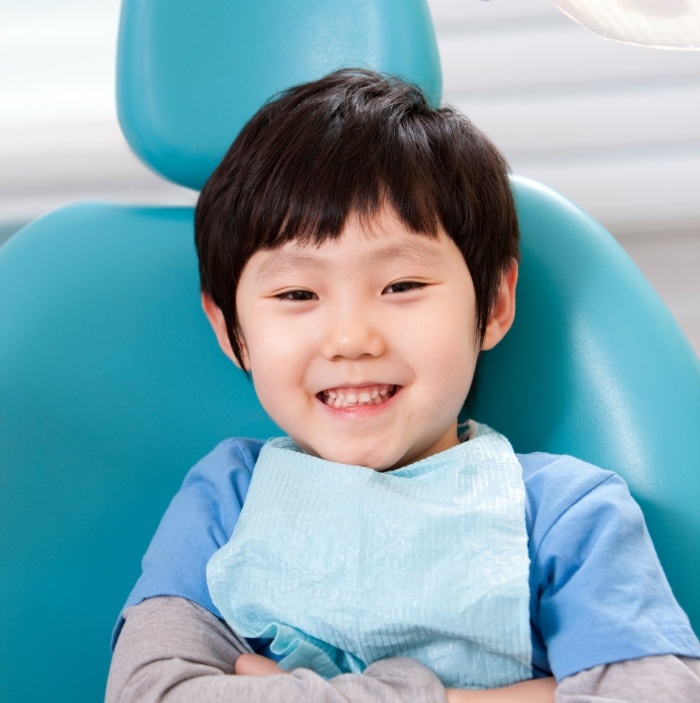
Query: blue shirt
598	594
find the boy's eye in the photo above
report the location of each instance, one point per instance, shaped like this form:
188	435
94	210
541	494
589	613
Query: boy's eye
296	295
404	286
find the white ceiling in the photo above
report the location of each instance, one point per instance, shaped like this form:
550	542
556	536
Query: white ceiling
614	127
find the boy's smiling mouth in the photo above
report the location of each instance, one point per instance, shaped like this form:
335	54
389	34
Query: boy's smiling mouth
352	397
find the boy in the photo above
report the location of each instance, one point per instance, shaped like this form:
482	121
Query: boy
357	250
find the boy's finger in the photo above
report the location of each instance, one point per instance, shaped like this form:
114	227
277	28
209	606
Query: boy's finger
256	665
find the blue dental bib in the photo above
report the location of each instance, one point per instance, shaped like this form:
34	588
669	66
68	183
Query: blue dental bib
341	566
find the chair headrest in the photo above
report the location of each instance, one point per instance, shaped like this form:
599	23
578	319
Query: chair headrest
190	73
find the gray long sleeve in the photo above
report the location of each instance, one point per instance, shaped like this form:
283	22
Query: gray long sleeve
171	650
648	680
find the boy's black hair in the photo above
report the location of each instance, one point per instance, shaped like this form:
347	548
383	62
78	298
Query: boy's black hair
347	144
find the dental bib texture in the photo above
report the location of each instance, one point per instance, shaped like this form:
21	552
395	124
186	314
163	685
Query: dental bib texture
341	566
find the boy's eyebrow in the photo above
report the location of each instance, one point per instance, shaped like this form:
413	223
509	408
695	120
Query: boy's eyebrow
416	249
287	262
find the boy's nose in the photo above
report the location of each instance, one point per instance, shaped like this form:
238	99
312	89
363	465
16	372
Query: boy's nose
351	335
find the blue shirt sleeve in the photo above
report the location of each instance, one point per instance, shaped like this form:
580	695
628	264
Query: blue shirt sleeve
598	592
199	520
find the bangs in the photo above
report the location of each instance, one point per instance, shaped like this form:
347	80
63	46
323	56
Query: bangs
320	205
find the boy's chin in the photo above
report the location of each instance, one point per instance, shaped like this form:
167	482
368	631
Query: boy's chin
382	458
375	460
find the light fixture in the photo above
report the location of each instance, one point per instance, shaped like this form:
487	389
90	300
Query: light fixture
667	24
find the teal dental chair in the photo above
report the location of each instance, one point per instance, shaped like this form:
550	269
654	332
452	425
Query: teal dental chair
113	385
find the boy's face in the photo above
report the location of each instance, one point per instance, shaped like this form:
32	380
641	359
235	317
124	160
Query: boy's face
363	349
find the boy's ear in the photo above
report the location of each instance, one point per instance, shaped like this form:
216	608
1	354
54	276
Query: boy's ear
503	312
218	324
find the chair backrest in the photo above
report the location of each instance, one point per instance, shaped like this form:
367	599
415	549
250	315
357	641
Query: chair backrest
596	367
112	384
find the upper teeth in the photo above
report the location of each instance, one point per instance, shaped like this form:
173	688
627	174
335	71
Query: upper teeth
342	399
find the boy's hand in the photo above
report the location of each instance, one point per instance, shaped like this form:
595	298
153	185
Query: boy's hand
256	665
532	691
